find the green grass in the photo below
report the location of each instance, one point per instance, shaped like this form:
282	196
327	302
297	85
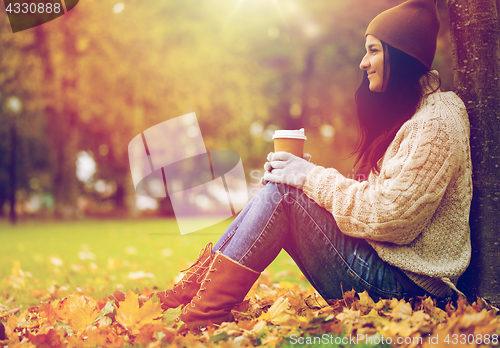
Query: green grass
97	257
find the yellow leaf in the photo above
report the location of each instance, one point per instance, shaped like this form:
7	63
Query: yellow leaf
170	316
146	334
10	332
436	313
348	318
372	314
381	304
402	310
280	314
278	308
486	329
271	341
83	313
365	302
96	337
260	328
428	305
133	318
315	301
401	329
78	311
475	319
419	318
348	315
393	303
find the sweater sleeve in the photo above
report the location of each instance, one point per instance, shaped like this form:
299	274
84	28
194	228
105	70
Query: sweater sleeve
396	205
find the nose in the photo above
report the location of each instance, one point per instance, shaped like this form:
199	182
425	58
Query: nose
365	63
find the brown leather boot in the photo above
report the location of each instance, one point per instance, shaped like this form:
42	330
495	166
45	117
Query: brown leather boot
183	292
226	284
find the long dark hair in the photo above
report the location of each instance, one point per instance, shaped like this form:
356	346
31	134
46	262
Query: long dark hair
381	114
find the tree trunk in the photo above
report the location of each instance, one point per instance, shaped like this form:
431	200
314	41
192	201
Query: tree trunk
475	33
63	119
3	199
13	172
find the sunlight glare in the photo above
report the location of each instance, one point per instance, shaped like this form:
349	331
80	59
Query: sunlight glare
277	7
85	166
119	7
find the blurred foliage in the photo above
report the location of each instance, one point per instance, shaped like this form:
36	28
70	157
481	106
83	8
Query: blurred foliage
94	78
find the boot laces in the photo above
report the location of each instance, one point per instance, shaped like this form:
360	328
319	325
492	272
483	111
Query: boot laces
203	280
206	279
197	266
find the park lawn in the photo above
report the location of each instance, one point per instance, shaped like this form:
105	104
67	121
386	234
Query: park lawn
96	257
46	261
55	278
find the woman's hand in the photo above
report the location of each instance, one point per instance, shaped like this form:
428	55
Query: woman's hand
285	168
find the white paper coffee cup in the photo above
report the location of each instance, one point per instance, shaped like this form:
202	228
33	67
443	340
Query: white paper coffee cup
291	141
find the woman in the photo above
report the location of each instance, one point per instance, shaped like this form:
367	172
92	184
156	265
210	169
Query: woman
401	232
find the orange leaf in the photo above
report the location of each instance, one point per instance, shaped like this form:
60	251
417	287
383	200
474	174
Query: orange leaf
47	313
146	334
49	339
365	302
281	314
132	317
96	337
115	339
80	311
348	315
12	336
475	319
402	311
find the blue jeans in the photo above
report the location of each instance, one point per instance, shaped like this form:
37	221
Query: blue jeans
283	217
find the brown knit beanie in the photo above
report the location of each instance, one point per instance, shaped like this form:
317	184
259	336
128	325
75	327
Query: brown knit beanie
411	27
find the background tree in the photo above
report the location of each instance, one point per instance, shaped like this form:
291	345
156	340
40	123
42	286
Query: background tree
22	142
475	30
93	79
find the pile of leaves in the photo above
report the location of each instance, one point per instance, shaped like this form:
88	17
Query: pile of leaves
274	315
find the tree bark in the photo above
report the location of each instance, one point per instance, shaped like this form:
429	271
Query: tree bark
475	33
3	199
13	172
63	120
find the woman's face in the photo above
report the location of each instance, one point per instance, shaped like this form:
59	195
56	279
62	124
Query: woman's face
373	63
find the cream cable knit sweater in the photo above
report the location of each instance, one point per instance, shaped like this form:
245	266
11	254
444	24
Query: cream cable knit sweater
415	213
